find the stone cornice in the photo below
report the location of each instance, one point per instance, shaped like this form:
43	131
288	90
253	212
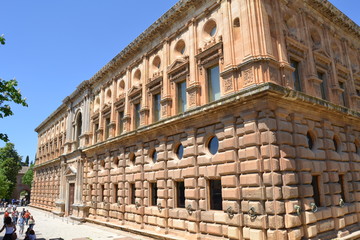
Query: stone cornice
334	15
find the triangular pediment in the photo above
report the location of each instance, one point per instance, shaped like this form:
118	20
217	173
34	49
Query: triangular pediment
179	62
70	171
133	89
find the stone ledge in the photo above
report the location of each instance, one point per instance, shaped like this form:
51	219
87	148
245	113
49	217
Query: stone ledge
135	231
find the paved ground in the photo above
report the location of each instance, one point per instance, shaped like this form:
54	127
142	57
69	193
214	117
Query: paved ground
51	227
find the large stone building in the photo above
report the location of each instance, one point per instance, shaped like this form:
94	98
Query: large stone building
223	120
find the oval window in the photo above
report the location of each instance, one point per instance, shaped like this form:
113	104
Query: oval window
213	145
154	156
180	151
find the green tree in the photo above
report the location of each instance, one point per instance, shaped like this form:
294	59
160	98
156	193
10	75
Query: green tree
8	94
10	164
4	185
27	161
28	176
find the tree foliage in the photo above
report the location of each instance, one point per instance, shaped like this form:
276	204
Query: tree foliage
10	165
28	176
8	94
4	185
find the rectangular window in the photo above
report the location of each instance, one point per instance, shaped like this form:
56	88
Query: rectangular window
342	183
132	193
107	128
137	115
153	194
315	184
181	97
156	107
115	193
102	192
96	128
180	194
322	85
296	75
342	93
213	82
120	122
215	194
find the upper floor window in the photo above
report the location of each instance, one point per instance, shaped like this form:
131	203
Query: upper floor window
137	115
342	93
156	107
181	96
213	83
78	128
296	75
323	87
120	122
107	128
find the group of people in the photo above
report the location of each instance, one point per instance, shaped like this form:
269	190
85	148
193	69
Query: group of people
12	218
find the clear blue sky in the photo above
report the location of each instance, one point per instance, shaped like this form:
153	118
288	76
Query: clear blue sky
52	46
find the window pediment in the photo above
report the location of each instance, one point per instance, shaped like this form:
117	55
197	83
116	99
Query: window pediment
134	93
212	53
179	69
70	171
296	48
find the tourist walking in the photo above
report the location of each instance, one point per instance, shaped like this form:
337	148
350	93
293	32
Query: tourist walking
31	222
27	217
21	224
15	216
10	229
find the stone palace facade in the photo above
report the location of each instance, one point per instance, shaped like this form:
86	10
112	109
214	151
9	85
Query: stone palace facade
225	119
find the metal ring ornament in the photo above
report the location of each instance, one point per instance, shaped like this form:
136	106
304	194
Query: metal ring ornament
159	207
189	209
137	205
118	203
298	209
252	213
341	202
314	208
230	212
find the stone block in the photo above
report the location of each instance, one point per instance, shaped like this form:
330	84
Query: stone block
250	180
274	193
290	192
227	169
251	166
287	164
292	221
284	138
267	124
253	193
285	126
276	222
268	138
295	234
311	231
229	181
290	178
287	151
270	151
272	178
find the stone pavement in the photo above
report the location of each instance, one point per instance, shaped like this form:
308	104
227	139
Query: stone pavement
51	227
